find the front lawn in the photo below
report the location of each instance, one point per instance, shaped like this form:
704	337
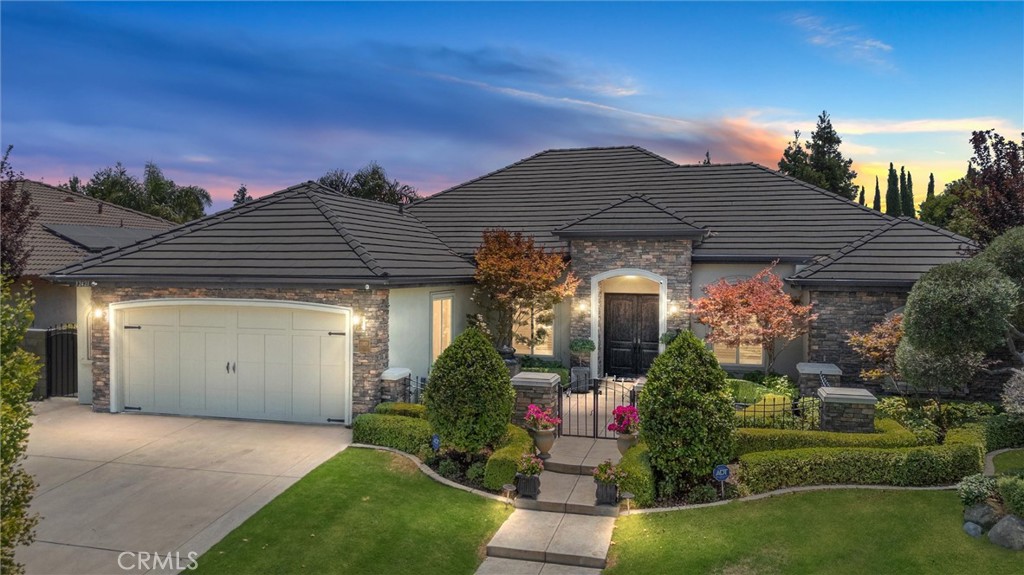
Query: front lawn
1010	461
842	532
362	511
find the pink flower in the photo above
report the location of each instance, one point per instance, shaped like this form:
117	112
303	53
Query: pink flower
626	419
540	419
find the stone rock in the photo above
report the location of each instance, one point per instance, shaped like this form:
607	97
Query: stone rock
983	514
972	529
1009	533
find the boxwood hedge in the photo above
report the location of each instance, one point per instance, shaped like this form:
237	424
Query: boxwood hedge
1004	430
889	434
501	466
639	480
406	434
399	408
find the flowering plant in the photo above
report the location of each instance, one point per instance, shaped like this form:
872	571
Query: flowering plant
626	420
530	464
608	472
538	419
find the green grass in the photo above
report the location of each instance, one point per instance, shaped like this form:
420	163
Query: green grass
1010	462
835	532
361	512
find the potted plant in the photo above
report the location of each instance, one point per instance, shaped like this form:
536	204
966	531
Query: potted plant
580	348
625	422
541	426
607	477
528	470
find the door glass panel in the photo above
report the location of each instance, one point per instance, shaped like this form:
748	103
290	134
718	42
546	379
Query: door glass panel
441	326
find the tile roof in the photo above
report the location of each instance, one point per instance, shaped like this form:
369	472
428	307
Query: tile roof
304	234
60	207
636	215
896	253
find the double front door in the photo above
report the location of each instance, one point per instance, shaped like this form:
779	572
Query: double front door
630	333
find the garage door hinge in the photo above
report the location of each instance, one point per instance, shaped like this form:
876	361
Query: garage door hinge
335	333
329	420
133	327
130	408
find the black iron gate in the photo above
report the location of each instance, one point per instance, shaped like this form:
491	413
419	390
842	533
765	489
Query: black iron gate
587	413
62	360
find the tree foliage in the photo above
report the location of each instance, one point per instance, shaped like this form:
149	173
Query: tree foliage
514	277
16	216
999	175
155	194
687	414
876	204
371	182
241	196
819	161
893	204
470	398
756	311
931	187
907	198
878	347
860	199
18	375
1006	254
948	209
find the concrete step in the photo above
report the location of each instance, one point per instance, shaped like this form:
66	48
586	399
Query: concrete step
501	566
580	455
566	493
565	539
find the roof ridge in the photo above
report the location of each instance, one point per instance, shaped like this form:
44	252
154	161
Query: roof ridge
824	261
941	230
671	211
97	200
633	196
464	184
821	191
357	247
716	164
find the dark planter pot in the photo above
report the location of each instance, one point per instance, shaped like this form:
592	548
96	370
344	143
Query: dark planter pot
528	485
607	493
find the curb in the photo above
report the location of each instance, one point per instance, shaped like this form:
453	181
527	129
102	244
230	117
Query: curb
990	464
431	473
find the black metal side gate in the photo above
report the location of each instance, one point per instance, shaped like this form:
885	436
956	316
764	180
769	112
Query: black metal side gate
588	413
62	360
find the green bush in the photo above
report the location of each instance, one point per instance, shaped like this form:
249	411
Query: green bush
470	398
1011	491
407	434
448	469
639	481
501	466
563	374
744	391
702	494
398	408
687	414
526	361
975	489
889	434
475	473
1004	430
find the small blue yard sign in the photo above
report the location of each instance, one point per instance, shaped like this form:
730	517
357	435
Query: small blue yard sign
435	442
721	472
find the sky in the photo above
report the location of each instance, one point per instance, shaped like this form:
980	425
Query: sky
273	94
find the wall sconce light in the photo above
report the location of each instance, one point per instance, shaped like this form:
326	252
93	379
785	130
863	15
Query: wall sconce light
357	321
582	305
674	308
99	313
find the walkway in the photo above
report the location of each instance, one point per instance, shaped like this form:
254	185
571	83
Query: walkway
562	531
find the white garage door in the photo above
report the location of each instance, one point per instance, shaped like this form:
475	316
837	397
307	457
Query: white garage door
235	360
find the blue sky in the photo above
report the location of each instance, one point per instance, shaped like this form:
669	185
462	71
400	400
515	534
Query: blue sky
273	94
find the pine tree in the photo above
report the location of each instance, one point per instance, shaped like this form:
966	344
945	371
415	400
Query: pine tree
707	158
931	187
241	196
819	161
877	203
907	198
892	193
861	199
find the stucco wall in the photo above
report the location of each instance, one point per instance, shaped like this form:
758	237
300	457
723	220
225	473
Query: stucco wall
54	303
409	323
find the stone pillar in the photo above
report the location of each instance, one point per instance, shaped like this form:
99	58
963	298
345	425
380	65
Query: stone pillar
541	389
394	384
810	377
847	409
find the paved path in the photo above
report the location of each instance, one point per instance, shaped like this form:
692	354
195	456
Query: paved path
114	483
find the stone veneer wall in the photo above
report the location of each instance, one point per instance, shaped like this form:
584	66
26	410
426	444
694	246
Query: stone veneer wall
369	346
670	258
840	312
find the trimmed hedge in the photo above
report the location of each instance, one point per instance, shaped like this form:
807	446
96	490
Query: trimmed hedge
639	480
960	456
398	408
1011	490
563	373
406	434
501	466
890	434
1005	430
744	391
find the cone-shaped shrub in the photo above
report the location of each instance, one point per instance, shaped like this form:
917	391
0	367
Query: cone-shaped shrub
470	397
687	414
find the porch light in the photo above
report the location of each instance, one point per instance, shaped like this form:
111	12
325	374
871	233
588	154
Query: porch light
357	321
674	308
582	305
99	313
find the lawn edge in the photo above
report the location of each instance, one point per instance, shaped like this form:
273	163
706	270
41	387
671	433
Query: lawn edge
990	459
431	473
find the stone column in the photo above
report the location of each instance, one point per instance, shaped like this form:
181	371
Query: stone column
810	377
847	409
541	389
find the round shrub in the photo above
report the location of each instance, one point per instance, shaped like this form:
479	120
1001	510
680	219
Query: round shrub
686	407
975	489
1006	253
470	398
936	371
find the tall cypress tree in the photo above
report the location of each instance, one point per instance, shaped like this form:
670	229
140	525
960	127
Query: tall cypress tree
877	203
931	187
907	198
861	199
892	193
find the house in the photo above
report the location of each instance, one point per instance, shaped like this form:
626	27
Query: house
69	228
291	307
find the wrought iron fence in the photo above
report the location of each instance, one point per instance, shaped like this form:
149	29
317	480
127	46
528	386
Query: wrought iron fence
778	412
586	410
62	360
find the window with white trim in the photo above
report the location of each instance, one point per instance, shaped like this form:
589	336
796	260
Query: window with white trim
538	324
749	355
440	324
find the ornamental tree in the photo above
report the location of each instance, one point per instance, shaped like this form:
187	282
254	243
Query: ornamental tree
515	277
16	216
756	311
999	173
878	347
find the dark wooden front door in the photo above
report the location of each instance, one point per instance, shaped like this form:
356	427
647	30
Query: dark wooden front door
630	333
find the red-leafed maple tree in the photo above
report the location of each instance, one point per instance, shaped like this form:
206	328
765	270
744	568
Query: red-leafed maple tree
514	278
878	347
755	311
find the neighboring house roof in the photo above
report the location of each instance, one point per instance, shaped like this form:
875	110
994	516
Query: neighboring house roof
896	253
634	216
304	234
77	216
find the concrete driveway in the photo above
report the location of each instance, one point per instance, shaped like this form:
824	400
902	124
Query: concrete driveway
114	483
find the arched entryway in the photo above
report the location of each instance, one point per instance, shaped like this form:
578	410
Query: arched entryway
628	317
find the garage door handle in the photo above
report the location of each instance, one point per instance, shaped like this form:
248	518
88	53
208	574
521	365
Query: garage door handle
227	367
233	368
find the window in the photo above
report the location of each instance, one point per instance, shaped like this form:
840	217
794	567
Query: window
440	324
537	324
742	355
